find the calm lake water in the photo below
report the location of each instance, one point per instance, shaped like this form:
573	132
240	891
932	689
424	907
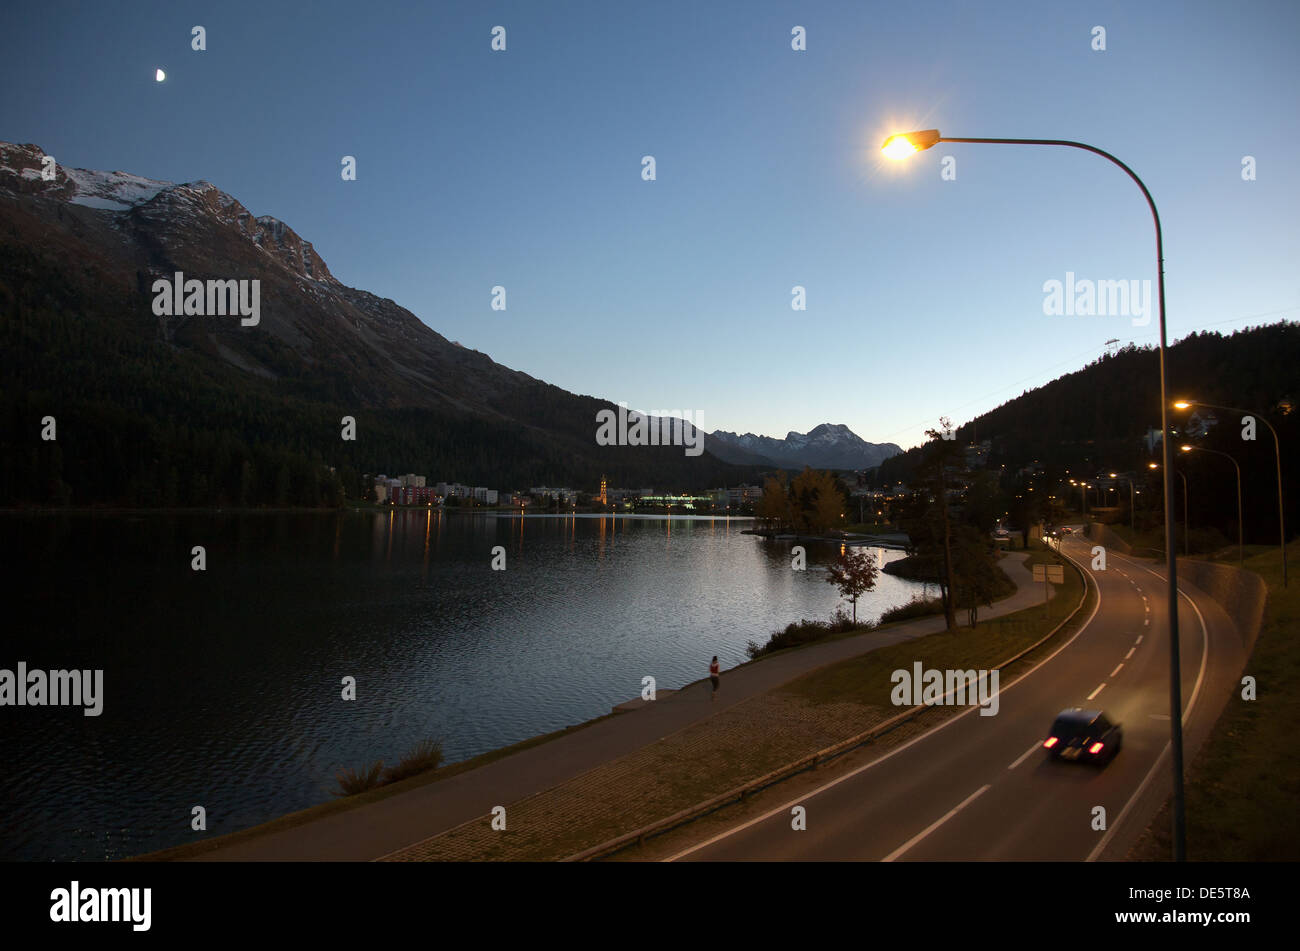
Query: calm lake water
222	687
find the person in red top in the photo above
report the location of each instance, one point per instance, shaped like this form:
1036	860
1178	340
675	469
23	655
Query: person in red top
713	676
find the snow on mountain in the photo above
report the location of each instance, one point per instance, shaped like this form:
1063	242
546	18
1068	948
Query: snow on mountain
165	205
828	446
114	191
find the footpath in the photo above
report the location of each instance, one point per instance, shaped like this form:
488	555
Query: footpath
618	774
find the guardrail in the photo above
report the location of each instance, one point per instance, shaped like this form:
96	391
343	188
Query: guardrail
811	761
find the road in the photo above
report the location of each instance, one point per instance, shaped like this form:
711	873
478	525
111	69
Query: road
981	788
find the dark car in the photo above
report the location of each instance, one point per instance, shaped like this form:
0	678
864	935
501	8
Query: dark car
1085	736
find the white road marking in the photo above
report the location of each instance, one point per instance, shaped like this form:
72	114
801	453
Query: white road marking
1131	652
934	825
785	809
1117	669
1025	755
1146	622
1139	640
1164	754
1097	691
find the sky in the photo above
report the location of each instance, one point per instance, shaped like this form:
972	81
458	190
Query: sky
523	168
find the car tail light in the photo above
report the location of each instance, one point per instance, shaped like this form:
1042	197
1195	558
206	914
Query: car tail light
1095	748
1049	743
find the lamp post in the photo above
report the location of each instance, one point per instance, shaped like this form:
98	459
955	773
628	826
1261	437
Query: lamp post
1277	454
1132	503
1187	528
1240	557
905	144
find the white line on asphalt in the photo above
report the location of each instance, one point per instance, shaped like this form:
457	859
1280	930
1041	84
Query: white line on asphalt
1131	652
1187	713
1139	640
1024	756
1097	691
1118	669
1089	579
934	825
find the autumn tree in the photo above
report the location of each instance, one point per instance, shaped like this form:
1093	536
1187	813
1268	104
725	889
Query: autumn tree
816	501
774	506
854	573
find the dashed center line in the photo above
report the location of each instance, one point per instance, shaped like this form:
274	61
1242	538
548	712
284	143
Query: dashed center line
1130	653
1097	691
1139	640
1024	756
1117	669
934	825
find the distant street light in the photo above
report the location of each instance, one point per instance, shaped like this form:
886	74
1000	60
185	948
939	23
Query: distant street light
901	146
1187	529
1132	502
1277	454
1240	557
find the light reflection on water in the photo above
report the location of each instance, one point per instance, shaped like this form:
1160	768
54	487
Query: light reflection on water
222	688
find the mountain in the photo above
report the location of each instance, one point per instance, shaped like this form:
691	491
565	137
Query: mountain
156	409
828	446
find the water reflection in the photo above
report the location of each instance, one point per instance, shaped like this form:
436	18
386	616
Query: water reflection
223	687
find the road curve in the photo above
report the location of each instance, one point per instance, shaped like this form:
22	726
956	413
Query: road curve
980	788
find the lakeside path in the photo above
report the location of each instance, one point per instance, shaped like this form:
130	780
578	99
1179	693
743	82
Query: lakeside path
414	823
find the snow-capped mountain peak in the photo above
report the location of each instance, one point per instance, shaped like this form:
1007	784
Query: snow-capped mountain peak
830	446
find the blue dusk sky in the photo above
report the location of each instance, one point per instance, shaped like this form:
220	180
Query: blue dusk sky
523	168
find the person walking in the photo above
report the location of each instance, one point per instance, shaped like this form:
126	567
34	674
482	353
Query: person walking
713	676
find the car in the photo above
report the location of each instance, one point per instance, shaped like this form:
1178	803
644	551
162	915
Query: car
1084	736
1067	530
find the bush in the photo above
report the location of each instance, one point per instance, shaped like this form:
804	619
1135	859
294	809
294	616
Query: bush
426	756
352	781
805	632
917	607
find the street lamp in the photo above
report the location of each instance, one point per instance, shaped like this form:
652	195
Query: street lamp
1277	454
1132	503
1240	557
900	147
1187	528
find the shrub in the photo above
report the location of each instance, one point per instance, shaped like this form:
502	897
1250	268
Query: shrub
805	632
426	756
352	781
917	607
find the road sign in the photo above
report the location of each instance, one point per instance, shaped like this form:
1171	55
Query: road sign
1053	573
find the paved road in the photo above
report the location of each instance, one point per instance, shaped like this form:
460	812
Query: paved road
980	788
370	831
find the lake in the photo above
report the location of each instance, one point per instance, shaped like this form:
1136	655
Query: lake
222	688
